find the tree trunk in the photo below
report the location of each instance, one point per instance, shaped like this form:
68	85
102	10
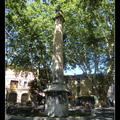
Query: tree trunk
103	100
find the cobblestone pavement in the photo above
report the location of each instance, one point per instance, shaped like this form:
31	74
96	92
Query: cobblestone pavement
97	114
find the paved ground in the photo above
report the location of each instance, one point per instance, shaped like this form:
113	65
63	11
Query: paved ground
103	114
98	114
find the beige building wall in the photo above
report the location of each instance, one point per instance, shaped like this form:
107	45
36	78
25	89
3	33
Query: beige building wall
86	88
16	85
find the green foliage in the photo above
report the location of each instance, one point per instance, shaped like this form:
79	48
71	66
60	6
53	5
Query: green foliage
40	83
88	34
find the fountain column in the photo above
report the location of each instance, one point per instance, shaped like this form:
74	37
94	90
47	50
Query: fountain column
56	92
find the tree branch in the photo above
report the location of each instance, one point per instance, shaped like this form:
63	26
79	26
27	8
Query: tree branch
109	84
77	64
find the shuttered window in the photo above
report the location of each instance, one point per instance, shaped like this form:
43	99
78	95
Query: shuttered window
66	81
78	89
78	80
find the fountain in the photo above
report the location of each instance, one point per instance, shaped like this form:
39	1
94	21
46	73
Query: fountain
56	92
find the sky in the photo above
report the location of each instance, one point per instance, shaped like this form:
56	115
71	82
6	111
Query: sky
71	72
76	71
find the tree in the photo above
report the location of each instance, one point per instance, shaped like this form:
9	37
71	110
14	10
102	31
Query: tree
41	80
90	45
88	36
26	44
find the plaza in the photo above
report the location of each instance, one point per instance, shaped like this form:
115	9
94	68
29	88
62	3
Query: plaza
97	114
36	59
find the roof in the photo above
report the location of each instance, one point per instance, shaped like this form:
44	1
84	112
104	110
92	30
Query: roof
74	76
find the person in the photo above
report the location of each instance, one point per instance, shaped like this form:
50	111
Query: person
87	103
6	108
109	102
80	101
90	107
114	102
93	102
71	103
74	103
83	103
33	104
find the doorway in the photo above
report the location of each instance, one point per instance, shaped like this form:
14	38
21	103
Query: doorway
79	101
24	97
12	97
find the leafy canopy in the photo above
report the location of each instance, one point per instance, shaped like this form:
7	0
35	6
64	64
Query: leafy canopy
88	34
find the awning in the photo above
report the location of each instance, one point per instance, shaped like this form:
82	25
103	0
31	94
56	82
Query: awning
71	97
86	95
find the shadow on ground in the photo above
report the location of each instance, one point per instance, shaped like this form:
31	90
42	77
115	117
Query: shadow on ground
103	114
98	114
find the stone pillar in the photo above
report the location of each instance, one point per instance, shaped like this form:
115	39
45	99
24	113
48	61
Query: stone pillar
56	92
57	72
19	96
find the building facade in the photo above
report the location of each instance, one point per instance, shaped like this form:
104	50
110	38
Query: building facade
17	88
81	89
16	85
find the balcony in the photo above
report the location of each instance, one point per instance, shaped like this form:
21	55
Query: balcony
14	87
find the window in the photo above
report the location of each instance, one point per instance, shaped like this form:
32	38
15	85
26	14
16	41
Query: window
22	74
92	89
66	81
78	80
25	84
26	74
78	89
16	74
14	84
29	74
